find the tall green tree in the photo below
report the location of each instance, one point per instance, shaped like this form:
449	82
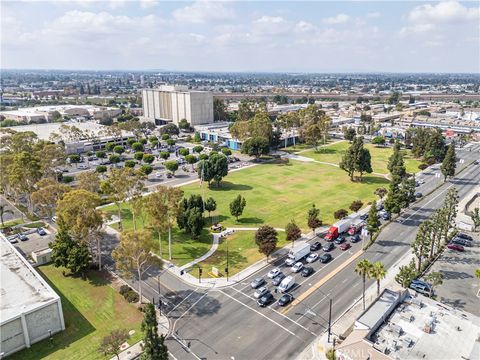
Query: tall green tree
356	159
405	275
293	232
313	220
256	147
154	347
421	244
475	216
449	163
210	205
363	269
373	224
314	125
435	279
237	206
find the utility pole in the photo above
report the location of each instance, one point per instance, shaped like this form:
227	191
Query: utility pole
329	321
199	274
227	269
159	294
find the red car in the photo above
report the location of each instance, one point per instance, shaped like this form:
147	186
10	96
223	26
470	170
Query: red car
455	247
345	246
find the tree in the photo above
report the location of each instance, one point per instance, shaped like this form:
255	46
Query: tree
330	354
293	232
314	125
164	155
373	224
349	133
4	211
477	275
137	146
226	151
109	146
130	164
169	129
356	158
449	163
191	159
23	173
435	278
190	215
380	192
101	169
219	110
171	166
114	159
377	272
256	147
237	206
340	214
112	343
475	216
405	275
210	205
133	255
119	149
153	347
198	149
183	152
101	154
184	124
356	205
312	218
156	210
146	169
138	156
47	196
74	158
170	142
421	244
378	140
89	180
396	160
363	269
148	158
266	239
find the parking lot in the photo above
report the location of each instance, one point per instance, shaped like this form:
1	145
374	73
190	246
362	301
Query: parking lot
35	241
460	286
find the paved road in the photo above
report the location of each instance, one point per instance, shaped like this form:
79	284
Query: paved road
227	323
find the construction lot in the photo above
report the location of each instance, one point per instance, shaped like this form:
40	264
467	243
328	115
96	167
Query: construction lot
460	286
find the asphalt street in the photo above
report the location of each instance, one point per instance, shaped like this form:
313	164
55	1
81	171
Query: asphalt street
228	324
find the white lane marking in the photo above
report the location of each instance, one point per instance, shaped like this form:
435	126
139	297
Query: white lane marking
279	313
259	313
185	298
184	345
312	307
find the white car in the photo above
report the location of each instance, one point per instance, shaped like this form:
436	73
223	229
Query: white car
421	181
312	257
297	267
260	292
158	175
274	272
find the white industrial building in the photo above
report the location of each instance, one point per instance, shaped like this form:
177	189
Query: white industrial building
174	103
30	310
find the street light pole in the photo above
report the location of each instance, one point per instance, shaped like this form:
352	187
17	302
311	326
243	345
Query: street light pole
329	321
159	294
228	270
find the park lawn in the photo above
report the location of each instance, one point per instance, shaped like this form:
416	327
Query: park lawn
242	252
91	309
184	249
333	154
278	192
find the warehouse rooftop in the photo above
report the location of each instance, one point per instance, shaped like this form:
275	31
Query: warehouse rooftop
22	289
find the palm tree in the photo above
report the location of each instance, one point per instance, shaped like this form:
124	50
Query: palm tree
4	211
363	269
436	278
378	273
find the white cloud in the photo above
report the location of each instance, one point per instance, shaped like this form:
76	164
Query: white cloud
271	25
444	12
304	27
145	4
339	19
202	12
374	14
416	29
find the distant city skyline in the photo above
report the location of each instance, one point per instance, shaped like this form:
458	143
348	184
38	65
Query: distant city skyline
257	36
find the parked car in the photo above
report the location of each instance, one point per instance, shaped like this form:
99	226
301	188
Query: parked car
169	175
312	257
325	258
339	240
285	299
23	237
364	217
345	246
278	279
274	272
12	239
464	236
297	267
257	282
328	247
260	292
315	246
386	215
355	238
41	231
456	247
421	288
265	299
306	271
418	195
461	241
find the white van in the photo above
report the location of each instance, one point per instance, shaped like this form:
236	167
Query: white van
286	284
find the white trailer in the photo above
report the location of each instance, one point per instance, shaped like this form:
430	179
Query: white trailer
297	253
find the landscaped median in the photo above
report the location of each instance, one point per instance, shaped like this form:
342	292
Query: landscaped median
92	309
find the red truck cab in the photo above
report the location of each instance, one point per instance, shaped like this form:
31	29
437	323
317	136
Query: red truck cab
332	234
354	229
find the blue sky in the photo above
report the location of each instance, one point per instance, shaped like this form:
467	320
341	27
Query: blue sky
294	36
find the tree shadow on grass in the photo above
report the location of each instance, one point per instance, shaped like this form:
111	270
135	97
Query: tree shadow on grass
228	186
371	179
325	150
250	220
76	327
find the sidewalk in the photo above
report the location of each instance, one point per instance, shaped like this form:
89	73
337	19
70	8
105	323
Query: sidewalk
135	350
342	326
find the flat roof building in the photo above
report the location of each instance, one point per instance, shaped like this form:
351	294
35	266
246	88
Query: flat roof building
30	310
174	103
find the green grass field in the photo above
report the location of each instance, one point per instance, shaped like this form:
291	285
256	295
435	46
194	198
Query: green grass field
380	155
91	310
242	251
